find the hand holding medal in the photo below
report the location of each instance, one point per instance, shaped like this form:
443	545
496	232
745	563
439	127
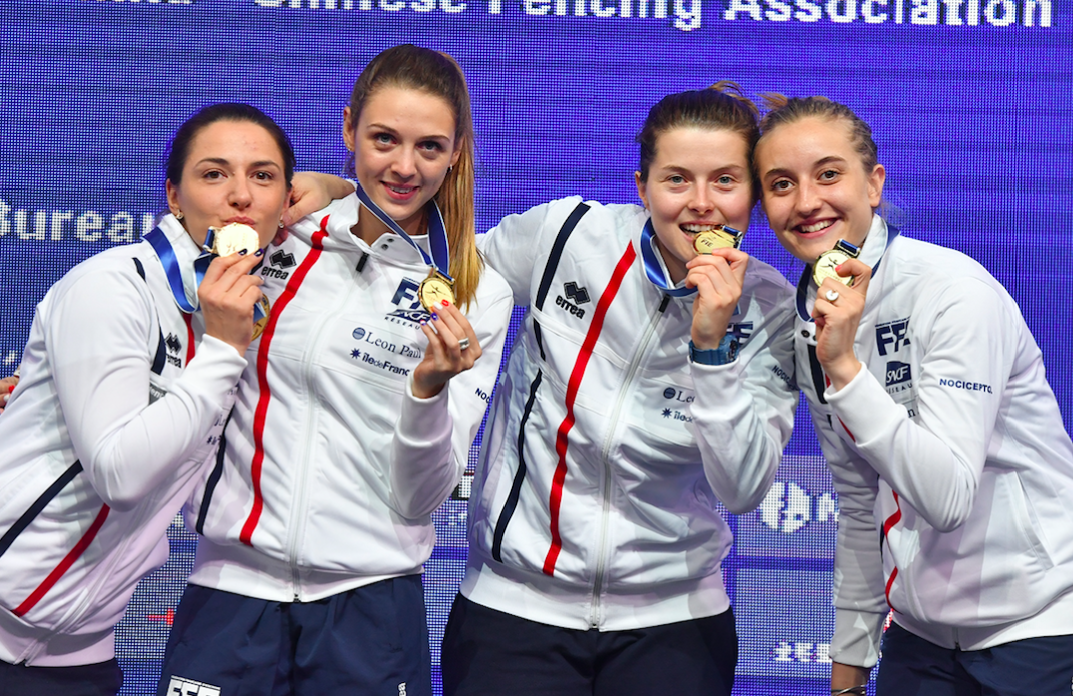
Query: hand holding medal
718	274
840	297
227	297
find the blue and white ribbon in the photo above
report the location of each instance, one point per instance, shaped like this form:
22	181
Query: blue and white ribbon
437	233
170	262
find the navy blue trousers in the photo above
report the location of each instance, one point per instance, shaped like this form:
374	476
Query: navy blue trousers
100	679
491	653
912	666
370	640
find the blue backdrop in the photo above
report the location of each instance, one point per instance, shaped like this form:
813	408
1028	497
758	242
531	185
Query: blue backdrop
970	101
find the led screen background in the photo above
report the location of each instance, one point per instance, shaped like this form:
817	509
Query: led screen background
969	100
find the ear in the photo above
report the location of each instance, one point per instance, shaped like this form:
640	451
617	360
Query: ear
875	185
348	130
642	188
173	196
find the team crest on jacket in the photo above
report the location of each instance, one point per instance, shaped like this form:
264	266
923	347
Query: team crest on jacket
408	309
892	335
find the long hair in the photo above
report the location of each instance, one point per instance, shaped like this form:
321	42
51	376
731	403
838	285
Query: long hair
438	74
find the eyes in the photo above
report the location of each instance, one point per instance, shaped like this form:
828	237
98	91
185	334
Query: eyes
430	147
723	181
263	176
784	184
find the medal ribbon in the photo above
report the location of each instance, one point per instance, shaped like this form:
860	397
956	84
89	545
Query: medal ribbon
652	267
437	233
170	262
806	275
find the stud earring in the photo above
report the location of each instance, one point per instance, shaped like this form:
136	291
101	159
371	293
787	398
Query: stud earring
178	215
281	223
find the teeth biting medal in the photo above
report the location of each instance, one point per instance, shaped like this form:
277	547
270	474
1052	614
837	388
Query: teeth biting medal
826	266
722	237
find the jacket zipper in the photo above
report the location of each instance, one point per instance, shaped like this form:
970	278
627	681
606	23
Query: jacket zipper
296	524
601	553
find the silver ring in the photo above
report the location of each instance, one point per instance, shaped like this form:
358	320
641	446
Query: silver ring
831	295
463	343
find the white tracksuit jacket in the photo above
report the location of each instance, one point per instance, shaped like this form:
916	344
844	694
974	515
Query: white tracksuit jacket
949	457
114	422
332	467
594	504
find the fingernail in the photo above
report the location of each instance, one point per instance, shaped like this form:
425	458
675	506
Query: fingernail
260	252
242	252
11	389
423	322
435	316
445	302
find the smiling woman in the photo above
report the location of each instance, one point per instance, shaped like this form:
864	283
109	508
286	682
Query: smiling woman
943	437
113	425
357	421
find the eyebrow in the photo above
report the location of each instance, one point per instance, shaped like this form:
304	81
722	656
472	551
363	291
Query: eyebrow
225	161
389	129
780	171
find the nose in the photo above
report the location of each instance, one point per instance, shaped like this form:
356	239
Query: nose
808	198
701	201
404	165
241	195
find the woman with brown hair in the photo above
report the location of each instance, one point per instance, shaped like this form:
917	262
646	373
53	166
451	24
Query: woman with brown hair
355	418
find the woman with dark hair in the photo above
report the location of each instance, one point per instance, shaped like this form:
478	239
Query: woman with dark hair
651	380
944	440
126	380
354	421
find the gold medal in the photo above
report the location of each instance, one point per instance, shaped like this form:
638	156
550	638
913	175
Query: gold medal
829	261
433	290
722	238
260	324
233	238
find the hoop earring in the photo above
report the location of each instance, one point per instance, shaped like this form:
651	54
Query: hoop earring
179	215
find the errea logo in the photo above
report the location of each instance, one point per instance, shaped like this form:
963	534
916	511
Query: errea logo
574	296
277	265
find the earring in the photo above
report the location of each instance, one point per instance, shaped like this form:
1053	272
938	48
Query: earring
178	215
450	168
281	223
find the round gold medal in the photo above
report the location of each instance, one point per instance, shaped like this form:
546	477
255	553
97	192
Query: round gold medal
233	238
722	238
827	263
433	290
260	324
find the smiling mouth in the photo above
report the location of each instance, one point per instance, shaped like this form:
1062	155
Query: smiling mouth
815	227
400	189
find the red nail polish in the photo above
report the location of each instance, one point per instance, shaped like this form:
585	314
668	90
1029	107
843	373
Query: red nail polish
11	389
445	302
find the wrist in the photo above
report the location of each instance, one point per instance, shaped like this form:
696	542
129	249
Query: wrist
843	371
726	352
859	690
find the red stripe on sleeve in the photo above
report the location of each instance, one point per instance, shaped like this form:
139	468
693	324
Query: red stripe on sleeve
64	565
561	441
246	535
